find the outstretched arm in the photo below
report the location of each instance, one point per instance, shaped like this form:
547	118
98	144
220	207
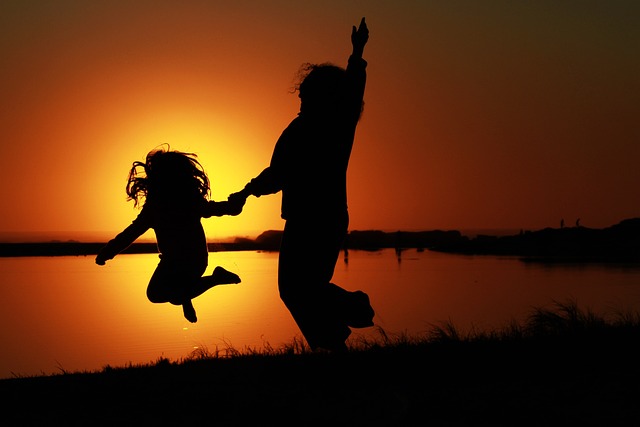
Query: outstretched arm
232	206
267	182
123	240
359	38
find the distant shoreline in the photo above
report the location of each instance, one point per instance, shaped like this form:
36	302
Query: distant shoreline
50	249
619	242
267	241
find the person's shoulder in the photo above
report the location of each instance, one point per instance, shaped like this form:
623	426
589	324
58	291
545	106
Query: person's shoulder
296	122
294	126
149	208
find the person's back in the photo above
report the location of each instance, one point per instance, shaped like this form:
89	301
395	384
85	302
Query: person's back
311	156
312	161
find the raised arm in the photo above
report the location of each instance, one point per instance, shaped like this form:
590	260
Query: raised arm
359	38
356	71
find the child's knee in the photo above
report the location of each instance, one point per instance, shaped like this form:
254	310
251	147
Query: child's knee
156	297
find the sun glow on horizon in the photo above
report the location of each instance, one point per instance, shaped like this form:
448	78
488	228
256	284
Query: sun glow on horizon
226	152
474	117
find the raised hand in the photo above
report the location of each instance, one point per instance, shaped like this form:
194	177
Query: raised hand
359	38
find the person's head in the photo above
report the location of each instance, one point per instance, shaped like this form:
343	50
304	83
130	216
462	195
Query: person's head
167	176
322	88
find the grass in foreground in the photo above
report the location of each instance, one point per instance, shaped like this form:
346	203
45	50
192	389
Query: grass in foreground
562	365
564	321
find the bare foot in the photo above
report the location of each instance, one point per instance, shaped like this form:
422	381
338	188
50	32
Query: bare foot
189	312
221	276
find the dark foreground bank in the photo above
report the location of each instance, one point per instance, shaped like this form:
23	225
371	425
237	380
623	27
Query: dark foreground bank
562	368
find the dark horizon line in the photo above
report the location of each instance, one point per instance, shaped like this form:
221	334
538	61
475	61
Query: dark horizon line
241	239
267	241
31	237
614	241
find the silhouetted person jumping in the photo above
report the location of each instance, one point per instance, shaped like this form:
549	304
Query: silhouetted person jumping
309	165
175	189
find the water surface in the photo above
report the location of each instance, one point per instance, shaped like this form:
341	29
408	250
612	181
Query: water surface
67	314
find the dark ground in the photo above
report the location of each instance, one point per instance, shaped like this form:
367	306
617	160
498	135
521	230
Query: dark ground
583	382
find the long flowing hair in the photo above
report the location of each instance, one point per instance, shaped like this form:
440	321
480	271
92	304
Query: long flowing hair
167	177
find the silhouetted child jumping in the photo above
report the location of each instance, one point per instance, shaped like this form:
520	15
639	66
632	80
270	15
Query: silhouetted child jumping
175	190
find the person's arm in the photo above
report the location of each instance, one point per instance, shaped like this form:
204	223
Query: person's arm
359	38
123	240
356	67
270	180
233	207
267	182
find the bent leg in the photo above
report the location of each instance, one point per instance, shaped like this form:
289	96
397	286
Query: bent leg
189	311
304	271
171	283
220	276
160	288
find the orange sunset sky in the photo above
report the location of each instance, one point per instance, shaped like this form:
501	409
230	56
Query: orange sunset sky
479	114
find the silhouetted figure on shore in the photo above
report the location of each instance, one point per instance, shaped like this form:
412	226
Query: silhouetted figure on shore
309	165
175	189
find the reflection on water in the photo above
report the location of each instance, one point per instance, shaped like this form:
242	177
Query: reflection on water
66	313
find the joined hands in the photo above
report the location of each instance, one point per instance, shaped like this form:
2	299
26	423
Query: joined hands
236	202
